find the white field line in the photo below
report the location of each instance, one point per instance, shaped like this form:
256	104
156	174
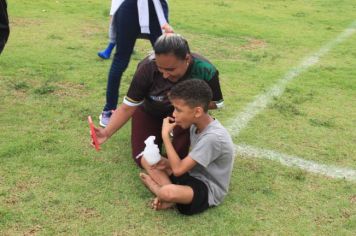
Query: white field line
293	161
260	103
240	121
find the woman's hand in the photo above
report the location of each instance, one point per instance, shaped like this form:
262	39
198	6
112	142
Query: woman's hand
101	135
163	164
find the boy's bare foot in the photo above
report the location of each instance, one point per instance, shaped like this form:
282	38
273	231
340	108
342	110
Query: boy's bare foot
149	183
160	205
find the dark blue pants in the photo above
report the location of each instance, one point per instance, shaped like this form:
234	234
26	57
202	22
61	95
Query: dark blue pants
127	31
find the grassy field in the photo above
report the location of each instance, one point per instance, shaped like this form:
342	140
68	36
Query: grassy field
53	183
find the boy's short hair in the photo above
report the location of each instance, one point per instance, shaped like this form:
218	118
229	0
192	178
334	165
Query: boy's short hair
194	92
172	43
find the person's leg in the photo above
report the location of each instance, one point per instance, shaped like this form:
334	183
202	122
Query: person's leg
144	125
159	176
170	193
190	195
127	30
4	24
106	53
182	194
148	181
157	203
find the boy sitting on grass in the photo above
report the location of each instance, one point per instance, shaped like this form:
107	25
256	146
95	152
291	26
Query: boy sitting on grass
201	179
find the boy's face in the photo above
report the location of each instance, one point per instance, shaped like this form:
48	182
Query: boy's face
184	115
171	67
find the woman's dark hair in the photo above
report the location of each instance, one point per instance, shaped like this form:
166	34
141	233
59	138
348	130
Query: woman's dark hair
172	44
194	92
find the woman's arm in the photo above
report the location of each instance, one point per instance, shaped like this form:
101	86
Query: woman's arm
119	118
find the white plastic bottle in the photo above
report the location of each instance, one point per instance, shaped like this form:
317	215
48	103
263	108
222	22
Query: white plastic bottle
151	151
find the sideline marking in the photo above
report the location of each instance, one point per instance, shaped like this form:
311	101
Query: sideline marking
294	161
261	101
242	119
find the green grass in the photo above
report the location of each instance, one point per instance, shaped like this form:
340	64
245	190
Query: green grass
318	110
53	183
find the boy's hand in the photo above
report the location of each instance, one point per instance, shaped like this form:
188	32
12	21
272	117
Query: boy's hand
167	126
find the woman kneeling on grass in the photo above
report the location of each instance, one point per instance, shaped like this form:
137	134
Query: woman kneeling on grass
201	179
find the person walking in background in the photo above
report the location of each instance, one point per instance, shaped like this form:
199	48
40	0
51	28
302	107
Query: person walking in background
4	24
106	53
132	19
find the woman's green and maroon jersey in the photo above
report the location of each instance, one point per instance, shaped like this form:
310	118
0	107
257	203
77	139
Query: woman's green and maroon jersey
150	89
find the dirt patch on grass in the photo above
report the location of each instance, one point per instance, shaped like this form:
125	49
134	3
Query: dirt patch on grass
21	88
222	48
12	200
69	89
25	22
33	231
90	30
20	94
252	166
253	44
353	199
324	220
20	188
345	214
87	213
17	230
24	186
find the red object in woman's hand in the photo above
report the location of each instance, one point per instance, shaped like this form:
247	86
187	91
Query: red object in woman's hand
93	134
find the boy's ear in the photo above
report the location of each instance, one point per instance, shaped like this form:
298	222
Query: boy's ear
199	111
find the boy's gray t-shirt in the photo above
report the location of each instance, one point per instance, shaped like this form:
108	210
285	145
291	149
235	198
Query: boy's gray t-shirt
213	151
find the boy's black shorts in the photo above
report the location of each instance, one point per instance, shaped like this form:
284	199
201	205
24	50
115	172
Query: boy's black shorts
200	198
